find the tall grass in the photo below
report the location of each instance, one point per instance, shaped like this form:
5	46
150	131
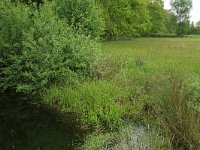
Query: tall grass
134	89
96	103
177	116
175	96
160	53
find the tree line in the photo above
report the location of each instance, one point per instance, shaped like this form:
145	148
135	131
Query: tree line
133	18
130	18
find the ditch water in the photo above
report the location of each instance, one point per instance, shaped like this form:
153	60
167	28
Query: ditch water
26	126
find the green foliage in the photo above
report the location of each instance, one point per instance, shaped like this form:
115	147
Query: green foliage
198	27
176	112
14	20
82	15
191	88
94	102
38	48
182	28
79	51
125	18
182	9
157	15
193	30
32	1
141	17
198	24
170	22
132	18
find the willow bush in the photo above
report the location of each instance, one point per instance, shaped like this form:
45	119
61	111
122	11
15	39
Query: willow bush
38	48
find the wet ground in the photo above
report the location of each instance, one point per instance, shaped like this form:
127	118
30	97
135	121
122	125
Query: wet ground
25	126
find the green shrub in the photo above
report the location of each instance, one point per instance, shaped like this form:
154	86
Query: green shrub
82	15
95	102
14	20
38	48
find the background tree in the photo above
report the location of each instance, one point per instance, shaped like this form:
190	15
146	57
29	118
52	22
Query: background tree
170	22
142	20
198	24
125	18
193	29
198	27
182	9
82	15
157	15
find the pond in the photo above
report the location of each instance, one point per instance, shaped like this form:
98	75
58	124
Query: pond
25	126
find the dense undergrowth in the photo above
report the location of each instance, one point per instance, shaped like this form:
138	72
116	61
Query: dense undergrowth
164	103
39	48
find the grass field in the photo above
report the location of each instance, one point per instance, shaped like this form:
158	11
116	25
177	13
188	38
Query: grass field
160	53
167	70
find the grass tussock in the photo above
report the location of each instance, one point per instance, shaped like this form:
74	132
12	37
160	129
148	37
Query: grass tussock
177	116
94	102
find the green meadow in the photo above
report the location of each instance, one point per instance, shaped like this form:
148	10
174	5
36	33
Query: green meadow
159	53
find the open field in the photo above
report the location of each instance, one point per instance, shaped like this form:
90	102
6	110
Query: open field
160	53
167	69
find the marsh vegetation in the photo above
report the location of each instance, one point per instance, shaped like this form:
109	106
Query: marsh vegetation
66	85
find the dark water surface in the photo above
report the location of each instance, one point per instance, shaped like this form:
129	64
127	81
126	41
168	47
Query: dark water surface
25	126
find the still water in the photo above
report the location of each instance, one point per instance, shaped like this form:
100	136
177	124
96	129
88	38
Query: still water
25	126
